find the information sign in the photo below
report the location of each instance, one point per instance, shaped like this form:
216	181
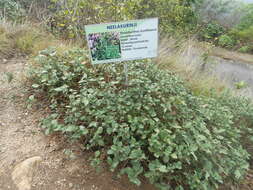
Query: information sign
122	41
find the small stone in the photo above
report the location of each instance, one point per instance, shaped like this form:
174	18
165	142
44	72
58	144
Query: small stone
23	173
70	185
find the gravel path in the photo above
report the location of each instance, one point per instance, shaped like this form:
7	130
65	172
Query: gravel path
233	72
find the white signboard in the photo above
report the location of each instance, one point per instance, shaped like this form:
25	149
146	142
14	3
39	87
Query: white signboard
122	41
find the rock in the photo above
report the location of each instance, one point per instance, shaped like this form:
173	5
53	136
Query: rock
70	185
23	173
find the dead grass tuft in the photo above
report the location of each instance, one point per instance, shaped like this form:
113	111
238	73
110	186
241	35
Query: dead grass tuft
24	39
188	59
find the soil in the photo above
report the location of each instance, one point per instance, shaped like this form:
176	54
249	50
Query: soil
65	166
232	55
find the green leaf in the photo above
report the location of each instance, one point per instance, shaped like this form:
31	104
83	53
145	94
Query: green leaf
174	155
163	169
61	89
83	130
85	101
35	86
136	154
238	174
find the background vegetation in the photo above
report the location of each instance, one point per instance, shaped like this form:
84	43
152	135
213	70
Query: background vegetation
225	23
228	24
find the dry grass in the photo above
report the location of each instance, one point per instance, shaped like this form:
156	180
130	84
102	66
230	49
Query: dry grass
188	59
25	39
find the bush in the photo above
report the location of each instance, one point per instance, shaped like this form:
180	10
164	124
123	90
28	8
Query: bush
153	126
11	9
226	41
245	37
242	110
244	30
247	20
211	31
69	17
245	49
246	34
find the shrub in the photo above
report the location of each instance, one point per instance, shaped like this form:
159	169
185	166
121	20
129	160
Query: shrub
211	31
153	126
245	37
244	30
242	110
247	20
240	85
69	17
226	41
11	9
246	34
245	49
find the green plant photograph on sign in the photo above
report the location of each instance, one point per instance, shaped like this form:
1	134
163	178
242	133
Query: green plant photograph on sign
104	46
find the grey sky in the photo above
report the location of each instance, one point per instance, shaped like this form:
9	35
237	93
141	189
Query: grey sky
249	1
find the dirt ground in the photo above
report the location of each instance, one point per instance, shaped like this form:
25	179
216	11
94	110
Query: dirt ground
231	55
64	165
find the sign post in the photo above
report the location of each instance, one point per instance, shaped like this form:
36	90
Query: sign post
126	73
